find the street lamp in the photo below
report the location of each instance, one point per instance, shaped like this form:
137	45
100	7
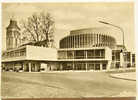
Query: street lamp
116	27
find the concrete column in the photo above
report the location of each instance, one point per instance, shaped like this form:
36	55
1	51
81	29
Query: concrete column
13	66
79	40
101	66
73	65
109	64
83	40
23	66
36	67
69	41
90	40
122	60
131	59
74	39
29	64
61	67
86	66
86	54
98	39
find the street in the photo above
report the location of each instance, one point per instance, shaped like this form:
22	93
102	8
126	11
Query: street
64	85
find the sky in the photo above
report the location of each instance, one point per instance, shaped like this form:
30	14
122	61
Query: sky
71	16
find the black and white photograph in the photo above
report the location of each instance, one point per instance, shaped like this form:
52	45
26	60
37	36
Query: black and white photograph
68	50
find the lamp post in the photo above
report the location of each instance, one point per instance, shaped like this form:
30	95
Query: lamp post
116	27
123	54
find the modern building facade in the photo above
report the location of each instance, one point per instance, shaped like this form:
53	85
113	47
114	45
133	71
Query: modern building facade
92	49
83	49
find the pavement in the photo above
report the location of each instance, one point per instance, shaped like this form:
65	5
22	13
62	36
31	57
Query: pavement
126	76
65	85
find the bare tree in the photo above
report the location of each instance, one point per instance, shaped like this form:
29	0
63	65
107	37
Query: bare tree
39	27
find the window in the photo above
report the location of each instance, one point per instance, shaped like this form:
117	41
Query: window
127	56
95	54
16	53
12	54
70	54
133	58
62	54
91	54
97	66
116	55
80	54
104	66
23	52
90	66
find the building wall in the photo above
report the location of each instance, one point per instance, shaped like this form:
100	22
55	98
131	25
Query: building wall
29	58
86	39
41	53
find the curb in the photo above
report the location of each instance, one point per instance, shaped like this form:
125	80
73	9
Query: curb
121	78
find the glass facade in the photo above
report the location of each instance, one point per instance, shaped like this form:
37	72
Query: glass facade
116	55
87	40
96	54
91	65
115	59
82	54
14	53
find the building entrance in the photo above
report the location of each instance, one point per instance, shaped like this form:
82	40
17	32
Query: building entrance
104	66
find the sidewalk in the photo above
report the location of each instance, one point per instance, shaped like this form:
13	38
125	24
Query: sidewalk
126	76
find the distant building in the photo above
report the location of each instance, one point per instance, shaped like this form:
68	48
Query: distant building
84	49
12	35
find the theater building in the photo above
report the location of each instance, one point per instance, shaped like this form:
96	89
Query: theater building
92	49
83	49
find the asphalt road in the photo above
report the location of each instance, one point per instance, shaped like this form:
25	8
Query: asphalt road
64	85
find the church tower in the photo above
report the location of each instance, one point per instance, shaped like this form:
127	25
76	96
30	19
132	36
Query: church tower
12	35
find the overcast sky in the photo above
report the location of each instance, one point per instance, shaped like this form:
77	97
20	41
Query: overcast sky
70	16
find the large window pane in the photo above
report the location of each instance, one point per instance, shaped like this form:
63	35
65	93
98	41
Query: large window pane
80	54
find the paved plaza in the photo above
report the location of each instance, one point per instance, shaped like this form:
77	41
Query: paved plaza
65	85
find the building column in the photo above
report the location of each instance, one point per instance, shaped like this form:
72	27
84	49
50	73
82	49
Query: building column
122	60
131	60
79	40
74	39
73	58
13	66
24	66
108	65
29	64
86	66
101	66
36	67
73	65
86	54
61	67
